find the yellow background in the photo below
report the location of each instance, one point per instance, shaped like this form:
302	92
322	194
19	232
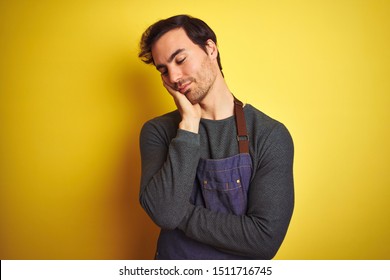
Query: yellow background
74	96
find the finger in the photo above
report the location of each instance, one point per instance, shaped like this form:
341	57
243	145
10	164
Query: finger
173	92
169	88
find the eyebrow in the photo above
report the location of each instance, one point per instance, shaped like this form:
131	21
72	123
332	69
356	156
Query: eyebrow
171	58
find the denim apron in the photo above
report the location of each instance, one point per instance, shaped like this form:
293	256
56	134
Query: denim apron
221	185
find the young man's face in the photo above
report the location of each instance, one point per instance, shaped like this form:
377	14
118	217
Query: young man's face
184	66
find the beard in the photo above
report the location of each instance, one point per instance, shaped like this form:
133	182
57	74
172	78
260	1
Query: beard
202	83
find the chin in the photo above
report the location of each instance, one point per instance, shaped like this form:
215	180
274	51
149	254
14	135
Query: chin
193	102
188	96
194	99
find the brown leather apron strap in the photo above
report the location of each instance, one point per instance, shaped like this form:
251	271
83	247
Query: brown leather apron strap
242	134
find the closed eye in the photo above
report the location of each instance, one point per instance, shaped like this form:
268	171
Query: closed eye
181	60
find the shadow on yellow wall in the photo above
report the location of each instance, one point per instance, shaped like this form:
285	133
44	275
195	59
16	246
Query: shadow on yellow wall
138	232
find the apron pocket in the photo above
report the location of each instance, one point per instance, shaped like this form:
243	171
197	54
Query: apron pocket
224	183
226	197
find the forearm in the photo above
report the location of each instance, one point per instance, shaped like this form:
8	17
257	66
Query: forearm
258	234
167	177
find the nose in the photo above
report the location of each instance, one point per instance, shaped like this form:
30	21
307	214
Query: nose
174	75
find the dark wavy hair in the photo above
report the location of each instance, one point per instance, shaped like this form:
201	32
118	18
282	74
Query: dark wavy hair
197	30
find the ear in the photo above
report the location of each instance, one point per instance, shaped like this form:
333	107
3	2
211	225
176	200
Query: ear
212	49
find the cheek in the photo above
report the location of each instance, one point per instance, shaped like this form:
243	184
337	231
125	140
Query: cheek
191	70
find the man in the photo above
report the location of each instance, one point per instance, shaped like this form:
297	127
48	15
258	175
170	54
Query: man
216	175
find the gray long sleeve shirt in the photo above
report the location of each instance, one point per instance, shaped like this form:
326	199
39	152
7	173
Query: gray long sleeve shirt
169	160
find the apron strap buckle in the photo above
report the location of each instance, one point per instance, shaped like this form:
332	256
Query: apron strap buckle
242	135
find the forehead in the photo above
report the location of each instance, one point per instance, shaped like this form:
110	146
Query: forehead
170	42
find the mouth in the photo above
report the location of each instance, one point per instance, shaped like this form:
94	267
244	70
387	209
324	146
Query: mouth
184	88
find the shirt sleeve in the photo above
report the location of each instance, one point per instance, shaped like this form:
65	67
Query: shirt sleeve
168	173
261	231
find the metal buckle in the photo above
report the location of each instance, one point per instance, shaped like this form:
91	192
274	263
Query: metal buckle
242	138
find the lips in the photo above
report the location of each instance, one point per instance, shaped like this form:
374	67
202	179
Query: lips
183	88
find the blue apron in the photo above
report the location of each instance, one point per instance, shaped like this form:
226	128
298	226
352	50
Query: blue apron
221	185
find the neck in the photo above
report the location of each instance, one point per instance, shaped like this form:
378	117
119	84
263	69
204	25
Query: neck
218	104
